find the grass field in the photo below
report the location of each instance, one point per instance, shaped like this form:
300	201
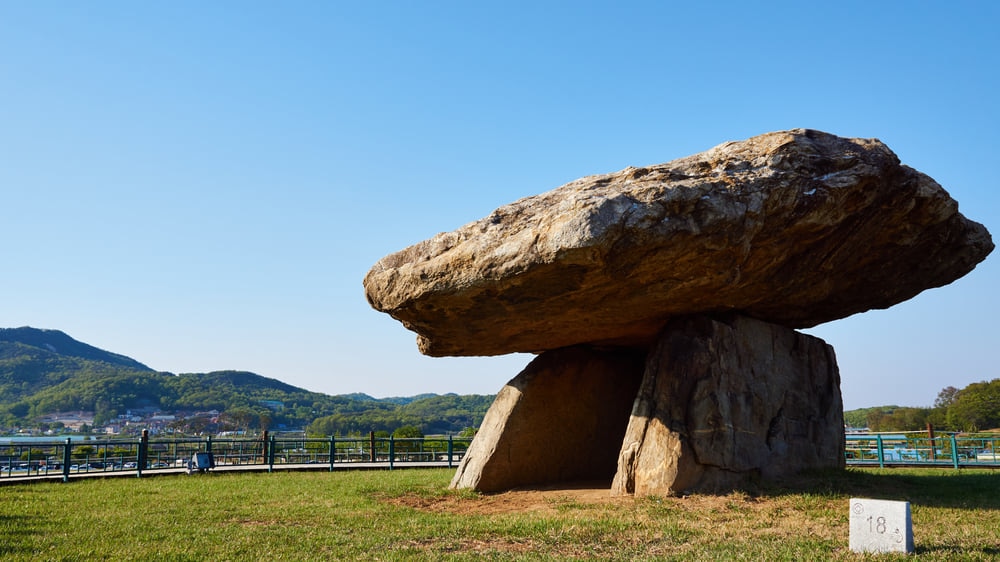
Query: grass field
408	514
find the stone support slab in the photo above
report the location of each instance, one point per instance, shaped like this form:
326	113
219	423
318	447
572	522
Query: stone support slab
724	402
561	419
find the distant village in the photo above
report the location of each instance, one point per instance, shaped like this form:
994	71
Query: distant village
134	421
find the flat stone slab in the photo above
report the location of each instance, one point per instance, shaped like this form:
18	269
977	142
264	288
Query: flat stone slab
727	401
880	526
560	420
794	228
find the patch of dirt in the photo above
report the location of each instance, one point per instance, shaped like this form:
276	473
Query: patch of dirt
657	526
473	545
550	499
534	499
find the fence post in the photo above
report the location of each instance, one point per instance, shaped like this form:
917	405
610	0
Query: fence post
142	456
265	448
333	450
451	449
371	446
954	451
392	451
881	456
66	460
930	435
272	444
208	444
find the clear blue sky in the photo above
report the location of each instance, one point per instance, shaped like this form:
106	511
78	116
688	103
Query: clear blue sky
203	185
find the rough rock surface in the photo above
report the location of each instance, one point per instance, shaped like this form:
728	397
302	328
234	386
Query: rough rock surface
562	419
728	401
796	228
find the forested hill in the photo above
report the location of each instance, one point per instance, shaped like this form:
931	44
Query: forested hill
47	371
58	343
32	360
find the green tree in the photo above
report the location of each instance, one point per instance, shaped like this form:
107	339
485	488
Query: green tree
938	417
238	419
20	409
196	425
874	419
976	407
84	451
33	454
405	433
326	426
408	432
905	419
946	397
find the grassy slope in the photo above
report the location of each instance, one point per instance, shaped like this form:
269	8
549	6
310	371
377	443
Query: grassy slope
408	515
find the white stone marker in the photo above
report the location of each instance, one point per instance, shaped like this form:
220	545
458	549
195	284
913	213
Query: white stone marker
880	526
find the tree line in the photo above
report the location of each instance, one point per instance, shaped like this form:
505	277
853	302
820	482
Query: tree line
33	385
973	408
432	415
46	371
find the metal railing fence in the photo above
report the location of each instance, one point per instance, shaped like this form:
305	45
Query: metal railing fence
75	456
80	457
919	449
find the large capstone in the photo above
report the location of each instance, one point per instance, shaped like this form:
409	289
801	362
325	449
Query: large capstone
795	228
691	278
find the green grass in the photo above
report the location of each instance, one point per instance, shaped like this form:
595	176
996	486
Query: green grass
409	514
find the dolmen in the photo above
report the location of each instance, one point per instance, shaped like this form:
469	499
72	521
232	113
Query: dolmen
663	304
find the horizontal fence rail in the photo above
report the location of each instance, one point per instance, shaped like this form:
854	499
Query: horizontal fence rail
76	457
81	457
919	449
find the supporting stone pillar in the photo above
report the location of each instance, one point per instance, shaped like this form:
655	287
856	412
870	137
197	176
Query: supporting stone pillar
724	402
561	419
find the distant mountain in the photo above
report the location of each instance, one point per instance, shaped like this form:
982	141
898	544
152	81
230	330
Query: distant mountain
404	400
56	342
397	400
859	417
244	382
33	360
360	397
47	371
